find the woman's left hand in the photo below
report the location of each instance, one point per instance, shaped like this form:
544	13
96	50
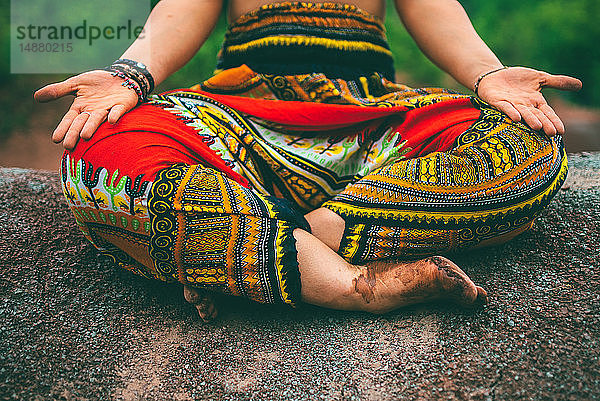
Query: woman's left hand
516	91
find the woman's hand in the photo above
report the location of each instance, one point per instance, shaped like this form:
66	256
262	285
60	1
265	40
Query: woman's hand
98	96
517	92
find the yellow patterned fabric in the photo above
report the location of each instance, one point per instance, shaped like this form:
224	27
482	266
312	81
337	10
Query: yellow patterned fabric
213	233
186	188
486	190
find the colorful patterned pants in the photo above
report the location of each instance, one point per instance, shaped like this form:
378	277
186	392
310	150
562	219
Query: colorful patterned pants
205	188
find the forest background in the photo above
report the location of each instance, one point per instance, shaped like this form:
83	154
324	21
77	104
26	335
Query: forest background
555	36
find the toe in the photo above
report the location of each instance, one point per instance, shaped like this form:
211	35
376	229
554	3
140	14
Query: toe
208	313
468	294
204	316
202	301
482	296
207	309
472	296
191	295
455	282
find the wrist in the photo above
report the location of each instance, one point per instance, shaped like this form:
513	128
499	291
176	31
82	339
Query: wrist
135	76
482	75
130	84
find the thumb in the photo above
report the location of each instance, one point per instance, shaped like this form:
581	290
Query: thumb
54	91
562	82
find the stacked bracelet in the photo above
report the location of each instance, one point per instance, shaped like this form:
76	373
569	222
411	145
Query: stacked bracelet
476	86
135	76
131	84
139	70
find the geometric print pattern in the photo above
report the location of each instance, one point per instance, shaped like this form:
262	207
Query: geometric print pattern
487	189
213	233
290	37
112	213
307	170
194	225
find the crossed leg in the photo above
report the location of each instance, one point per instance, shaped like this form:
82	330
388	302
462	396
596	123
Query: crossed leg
378	287
513	171
327	279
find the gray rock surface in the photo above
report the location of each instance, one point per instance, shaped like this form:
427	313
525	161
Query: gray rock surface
74	327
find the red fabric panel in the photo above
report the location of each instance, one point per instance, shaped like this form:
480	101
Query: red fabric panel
431	128
146	140
435	128
307	116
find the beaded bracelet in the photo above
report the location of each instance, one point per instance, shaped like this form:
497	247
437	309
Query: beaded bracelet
476	86
140	68
131	84
135	76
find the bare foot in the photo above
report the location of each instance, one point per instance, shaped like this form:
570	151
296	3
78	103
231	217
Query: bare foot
202	300
385	286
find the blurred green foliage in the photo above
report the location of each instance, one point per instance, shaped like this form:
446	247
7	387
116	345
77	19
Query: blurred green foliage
560	37
556	36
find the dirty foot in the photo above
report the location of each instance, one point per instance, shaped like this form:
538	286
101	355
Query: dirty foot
202	300
455	284
385	286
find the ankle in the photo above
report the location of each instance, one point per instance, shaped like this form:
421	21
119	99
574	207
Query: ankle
327	226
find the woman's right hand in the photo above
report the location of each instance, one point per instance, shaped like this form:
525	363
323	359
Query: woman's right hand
98	97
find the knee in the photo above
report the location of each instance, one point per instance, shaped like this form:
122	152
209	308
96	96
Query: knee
551	163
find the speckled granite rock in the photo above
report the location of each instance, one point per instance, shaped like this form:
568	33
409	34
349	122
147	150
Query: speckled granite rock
73	327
